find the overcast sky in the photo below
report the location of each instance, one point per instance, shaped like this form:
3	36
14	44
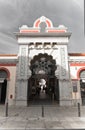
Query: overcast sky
15	13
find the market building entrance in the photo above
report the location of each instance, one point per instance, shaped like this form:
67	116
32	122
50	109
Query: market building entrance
43	63
43	85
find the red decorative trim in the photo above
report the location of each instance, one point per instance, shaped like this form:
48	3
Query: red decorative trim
37	23
27	31
7	64
76	54
11	55
56	31
77	64
48	23
78	72
7	71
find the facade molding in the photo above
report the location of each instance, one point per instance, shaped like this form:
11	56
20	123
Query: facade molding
77	64
7	64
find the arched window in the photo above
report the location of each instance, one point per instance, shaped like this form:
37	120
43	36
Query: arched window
4	73
82	74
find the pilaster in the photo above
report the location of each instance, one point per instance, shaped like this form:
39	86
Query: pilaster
65	89
65	93
22	76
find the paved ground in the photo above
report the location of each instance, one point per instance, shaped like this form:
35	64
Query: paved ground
55	117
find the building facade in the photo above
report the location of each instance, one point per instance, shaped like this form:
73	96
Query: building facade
42	61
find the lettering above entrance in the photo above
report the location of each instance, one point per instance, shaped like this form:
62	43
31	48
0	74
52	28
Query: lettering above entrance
43	24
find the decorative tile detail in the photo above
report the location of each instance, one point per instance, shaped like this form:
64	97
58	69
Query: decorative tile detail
23	64
63	63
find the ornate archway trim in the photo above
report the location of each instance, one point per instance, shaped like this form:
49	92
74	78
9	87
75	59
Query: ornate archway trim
43	64
43	19
7	71
78	72
36	24
48	29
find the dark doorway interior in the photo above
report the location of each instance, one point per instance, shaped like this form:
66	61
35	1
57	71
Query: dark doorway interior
3	87
43	87
82	86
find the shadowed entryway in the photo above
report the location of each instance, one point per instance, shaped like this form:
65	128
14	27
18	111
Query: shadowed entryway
43	85
82	86
3	86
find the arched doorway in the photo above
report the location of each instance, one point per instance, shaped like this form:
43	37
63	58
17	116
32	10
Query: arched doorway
43	84
82	85
3	85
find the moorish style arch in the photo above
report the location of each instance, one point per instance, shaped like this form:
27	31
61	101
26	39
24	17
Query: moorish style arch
43	68
43	19
49	26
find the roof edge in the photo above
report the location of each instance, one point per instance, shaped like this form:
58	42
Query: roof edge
8	55
76	54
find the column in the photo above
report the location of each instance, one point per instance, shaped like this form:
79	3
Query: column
22	76
65	90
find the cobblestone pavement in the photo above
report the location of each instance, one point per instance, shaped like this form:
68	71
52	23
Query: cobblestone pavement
55	117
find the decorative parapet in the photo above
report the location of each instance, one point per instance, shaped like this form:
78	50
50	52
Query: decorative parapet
48	28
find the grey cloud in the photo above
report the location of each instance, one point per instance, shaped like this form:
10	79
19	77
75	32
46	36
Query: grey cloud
8	44
15	13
